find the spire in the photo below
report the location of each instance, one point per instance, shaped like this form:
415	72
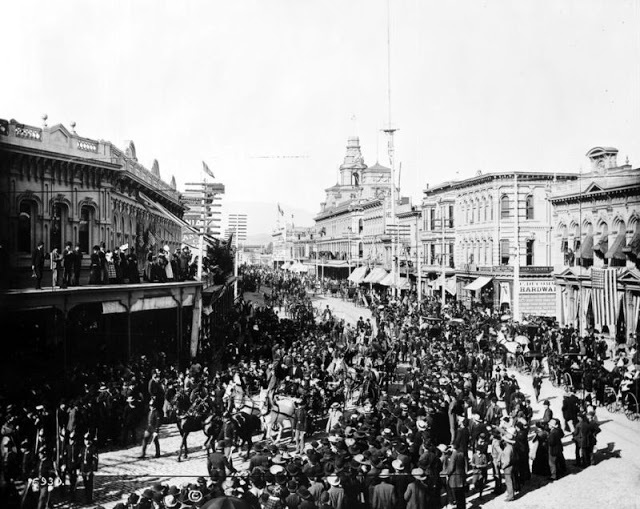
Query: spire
155	168
173	182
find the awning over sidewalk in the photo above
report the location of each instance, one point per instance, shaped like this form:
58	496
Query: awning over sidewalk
402	283
358	275
586	249
449	285
615	251
634	245
375	276
478	283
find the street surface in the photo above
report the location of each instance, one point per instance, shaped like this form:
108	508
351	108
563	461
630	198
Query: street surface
613	482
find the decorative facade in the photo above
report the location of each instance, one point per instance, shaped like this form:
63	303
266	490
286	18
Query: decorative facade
597	228
59	187
490	221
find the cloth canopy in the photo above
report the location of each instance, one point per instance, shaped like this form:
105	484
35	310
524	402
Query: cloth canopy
603	245
615	251
402	283
586	249
449	284
375	276
358	275
634	245
478	283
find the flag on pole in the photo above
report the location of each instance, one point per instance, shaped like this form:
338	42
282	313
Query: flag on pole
206	169
152	239
280	211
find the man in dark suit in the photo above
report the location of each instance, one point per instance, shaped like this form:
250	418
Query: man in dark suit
457	477
556	457
68	257
77	265
152	430
88	465
37	264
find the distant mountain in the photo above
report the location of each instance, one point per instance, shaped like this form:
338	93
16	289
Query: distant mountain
262	218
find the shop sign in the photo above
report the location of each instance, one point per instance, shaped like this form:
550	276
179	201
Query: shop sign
537	287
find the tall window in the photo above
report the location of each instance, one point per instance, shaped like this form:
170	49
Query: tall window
450	255
451	216
84	229
504	252
57	224
505	207
529	207
530	244
25	226
432	254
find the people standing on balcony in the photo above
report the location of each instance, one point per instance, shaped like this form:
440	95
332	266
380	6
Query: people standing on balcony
148	265
104	269
95	268
37	264
56	267
68	257
111	267
77	265
168	258
132	267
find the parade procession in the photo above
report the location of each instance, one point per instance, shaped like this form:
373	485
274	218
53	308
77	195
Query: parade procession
253	257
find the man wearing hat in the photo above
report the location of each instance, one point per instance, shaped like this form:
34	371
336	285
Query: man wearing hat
71	462
556	457
384	494
507	462
457	474
152	430
88	465
218	462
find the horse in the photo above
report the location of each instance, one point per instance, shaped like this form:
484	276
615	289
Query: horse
190	418
276	414
246	425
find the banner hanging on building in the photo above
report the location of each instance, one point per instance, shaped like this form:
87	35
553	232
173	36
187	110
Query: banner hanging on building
604	285
505	293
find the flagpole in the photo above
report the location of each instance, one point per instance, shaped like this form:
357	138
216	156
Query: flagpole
202	229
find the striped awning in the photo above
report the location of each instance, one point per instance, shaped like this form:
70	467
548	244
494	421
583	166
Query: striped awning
633	247
586	249
603	245
616	249
358	275
375	276
478	283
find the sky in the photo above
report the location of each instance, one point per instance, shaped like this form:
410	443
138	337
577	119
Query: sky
244	85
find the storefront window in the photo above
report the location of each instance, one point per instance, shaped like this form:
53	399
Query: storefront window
84	230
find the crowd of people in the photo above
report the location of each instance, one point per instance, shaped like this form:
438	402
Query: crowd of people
119	265
413	408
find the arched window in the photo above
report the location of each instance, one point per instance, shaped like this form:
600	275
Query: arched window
505	207
85	228
529	207
529	254
26	226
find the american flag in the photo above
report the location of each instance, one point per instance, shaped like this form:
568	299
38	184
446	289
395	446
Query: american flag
605	297
152	239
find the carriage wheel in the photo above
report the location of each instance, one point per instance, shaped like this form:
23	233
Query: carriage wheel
553	377
520	363
567	382
631	409
611	406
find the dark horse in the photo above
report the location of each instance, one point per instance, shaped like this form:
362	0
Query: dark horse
246	425
195	417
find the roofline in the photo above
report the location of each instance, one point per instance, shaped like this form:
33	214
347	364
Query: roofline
497	175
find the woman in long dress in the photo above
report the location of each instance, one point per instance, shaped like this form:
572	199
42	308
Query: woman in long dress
540	464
